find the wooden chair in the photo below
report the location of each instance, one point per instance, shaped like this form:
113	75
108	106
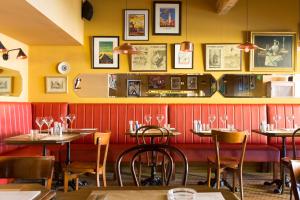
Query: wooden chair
40	167
295	177
75	169
220	163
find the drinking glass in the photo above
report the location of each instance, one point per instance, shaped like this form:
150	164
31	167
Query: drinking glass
224	118
64	120
160	118
276	119
148	119
48	121
290	119
40	122
211	119
71	118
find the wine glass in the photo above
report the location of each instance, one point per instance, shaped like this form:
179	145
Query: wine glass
224	118
40	122
148	118
71	118
211	119
48	121
290	119
276	119
160	118
64	120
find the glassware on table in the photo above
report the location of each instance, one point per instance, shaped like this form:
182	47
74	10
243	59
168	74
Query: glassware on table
148	118
40	122
276	119
160	118
48	121
181	194
71	118
290	119
224	118
64	120
211	119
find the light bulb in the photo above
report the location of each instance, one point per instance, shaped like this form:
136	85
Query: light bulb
247	49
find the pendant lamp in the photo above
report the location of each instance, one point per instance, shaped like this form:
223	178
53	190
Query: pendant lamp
186	45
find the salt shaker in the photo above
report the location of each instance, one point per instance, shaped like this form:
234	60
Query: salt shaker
263	126
130	126
199	126
195	126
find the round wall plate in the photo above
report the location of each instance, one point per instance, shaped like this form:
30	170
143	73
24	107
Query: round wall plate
63	68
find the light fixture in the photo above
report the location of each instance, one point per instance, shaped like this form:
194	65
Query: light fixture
186	45
247	46
2	48
21	54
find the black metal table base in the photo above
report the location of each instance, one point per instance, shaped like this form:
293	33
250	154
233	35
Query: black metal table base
151	181
279	184
223	183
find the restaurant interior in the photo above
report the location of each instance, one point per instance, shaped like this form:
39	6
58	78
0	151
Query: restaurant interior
149	99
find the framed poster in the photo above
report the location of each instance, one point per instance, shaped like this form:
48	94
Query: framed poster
153	57
5	84
157	82
182	60
133	88
222	57
192	83
167	18
103	56
175	83
136	25
56	84
276	51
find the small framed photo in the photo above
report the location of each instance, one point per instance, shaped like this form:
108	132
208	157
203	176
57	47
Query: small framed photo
103	56
182	60
56	84
222	57
136	25
192	83
157	82
175	83
5	84
133	88
276	51
167	18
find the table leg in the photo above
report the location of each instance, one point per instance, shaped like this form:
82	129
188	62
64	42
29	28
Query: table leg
44	150
68	155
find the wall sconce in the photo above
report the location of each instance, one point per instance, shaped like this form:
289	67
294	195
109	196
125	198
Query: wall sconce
21	54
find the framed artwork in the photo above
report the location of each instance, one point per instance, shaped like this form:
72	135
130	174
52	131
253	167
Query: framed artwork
222	57
56	84
153	57
157	82
276	51
175	83
192	83
136	25
112	81
167	18
133	88
5	84
182	60
103	56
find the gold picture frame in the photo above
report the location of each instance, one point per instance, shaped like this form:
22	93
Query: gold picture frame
56	84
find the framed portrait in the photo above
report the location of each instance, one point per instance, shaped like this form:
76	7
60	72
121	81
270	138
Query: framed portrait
222	57
103	56
153	57
182	60
175	83
157	82
56	84
136	25
5	84
133	88
191	83
276	51
167	18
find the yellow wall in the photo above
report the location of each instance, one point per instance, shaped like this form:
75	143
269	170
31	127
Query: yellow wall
204	26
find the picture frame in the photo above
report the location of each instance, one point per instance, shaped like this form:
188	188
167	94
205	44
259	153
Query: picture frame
5	84
167	18
133	88
153	58
182	60
175	83
276	51
223	57
157	82
136	24
102	53
192	82
56	84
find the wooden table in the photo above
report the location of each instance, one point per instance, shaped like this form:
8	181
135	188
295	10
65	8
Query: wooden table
45	193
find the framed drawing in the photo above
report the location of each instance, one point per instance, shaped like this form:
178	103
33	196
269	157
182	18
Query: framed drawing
192	83
182	60
276	51
175	83
222	57
136	25
103	56
5	84
153	57
133	88
56	84
157	82
167	18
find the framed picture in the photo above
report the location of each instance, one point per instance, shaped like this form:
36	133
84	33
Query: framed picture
136	25
153	57
222	57
133	88
182	60
192	83
5	84
56	84
167	18
175	83
103	56
157	82
276	51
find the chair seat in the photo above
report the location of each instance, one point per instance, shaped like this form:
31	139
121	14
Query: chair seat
83	167
225	162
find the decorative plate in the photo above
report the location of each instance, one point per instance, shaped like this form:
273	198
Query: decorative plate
63	68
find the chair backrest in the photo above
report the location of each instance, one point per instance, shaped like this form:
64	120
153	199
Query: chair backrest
152	135
102	139
295	177
297	131
239	137
40	167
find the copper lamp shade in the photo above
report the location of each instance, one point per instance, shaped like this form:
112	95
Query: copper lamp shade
21	55
2	48
125	48
247	46
186	46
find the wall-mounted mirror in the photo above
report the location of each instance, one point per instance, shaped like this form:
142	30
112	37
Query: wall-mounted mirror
10	82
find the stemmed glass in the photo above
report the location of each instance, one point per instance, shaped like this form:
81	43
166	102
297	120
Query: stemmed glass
40	122
48	121
148	118
276	119
71	118
211	119
290	119
64	120
160	118
224	118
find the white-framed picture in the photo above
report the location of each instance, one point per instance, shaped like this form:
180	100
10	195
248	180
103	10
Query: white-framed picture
192	83
136	24
182	59
133	88
5	84
56	84
175	83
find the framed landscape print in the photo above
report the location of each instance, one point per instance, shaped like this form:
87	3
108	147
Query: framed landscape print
133	88
136	25
153	57
5	84
56	84
182	60
103	56
175	83
276	51
222	57
167	18
191	83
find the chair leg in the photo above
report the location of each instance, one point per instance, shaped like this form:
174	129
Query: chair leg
77	183
104	178
241	184
218	178
97	179
208	176
66	182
